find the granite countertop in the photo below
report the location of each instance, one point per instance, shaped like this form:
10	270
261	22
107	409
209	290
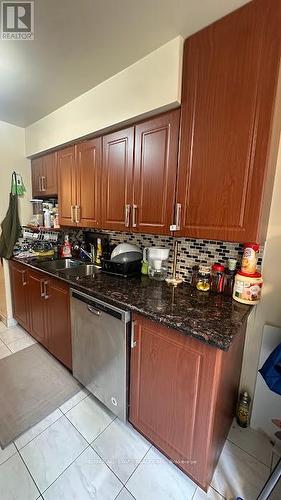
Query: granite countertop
211	318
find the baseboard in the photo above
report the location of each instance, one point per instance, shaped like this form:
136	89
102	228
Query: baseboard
11	322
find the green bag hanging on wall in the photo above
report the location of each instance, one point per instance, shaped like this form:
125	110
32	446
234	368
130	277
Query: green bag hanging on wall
11	228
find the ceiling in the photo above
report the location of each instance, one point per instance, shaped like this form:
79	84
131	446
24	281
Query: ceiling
80	43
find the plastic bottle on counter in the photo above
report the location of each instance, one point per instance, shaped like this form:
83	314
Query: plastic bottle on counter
66	248
250	258
47	218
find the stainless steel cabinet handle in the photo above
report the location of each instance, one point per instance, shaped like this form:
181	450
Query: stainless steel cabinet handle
94	311
178	216
72	213
46	290
23	275
77	214
127	215
133	342
134	216
43	179
39	183
42	288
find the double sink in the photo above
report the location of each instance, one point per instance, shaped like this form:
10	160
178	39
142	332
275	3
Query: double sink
69	267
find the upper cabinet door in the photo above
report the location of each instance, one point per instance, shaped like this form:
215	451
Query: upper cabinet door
44	175
67	186
88	155
229	86
155	171
117	179
37	172
50	175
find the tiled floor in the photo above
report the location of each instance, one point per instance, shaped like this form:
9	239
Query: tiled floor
81	452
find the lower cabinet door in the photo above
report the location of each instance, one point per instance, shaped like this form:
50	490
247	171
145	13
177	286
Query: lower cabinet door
19	282
58	321
37	306
171	394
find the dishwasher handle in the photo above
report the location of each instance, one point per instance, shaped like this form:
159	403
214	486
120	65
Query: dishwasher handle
94	311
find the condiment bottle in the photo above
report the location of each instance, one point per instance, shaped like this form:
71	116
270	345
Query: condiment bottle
250	258
243	410
229	277
217	276
203	279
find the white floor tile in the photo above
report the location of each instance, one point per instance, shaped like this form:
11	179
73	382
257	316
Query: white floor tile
8	452
88	478
15	481
4	351
74	400
90	418
12	334
2	326
238	474
50	453
211	494
253	442
125	495
122	448
20	344
25	438
156	478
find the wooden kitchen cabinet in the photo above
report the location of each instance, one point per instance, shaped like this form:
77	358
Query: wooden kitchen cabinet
88	182
57	318
229	86
155	167
183	395
117	179
79	184
44	176
36	306
67	186
41	305
139	176
19	282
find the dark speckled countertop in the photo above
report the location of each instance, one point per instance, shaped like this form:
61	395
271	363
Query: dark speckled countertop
211	318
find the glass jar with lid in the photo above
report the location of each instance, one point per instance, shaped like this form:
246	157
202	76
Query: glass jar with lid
203	279
217	276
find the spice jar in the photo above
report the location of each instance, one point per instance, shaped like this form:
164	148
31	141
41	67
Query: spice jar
203	279
217	276
194	275
229	277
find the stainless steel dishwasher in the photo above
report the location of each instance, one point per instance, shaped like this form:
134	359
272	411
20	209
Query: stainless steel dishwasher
100	336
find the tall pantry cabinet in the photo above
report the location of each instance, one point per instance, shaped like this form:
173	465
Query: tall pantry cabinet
230	75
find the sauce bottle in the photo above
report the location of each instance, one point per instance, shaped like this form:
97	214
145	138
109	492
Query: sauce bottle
229	277
243	410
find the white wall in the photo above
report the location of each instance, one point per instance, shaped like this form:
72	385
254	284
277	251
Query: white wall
153	82
12	157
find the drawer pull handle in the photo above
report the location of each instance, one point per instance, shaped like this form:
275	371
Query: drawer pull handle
94	311
127	215
134	221
133	341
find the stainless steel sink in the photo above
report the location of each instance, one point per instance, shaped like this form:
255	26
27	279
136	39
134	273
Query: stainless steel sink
79	272
60	265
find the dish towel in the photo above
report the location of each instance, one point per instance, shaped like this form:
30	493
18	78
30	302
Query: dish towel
10	226
271	370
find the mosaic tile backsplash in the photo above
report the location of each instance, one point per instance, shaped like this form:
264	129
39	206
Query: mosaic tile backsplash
190	251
